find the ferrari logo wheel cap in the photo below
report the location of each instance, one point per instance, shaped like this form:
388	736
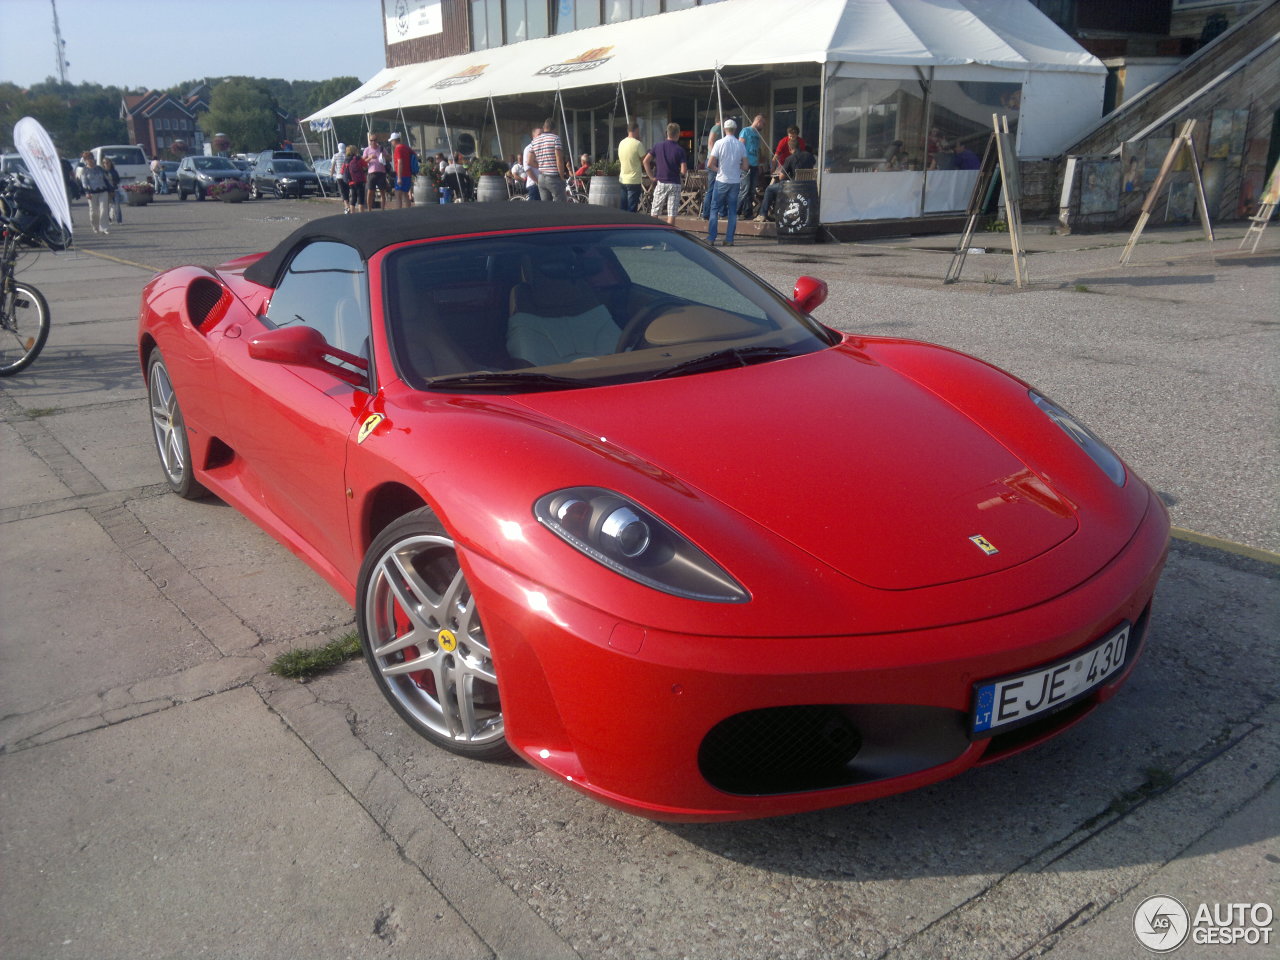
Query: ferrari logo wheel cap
447	640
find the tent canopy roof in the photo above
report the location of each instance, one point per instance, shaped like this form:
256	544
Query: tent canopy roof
1003	34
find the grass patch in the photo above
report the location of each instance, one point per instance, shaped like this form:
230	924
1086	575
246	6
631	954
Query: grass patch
35	412
297	664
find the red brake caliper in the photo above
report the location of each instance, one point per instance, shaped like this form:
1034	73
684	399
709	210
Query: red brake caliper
423	678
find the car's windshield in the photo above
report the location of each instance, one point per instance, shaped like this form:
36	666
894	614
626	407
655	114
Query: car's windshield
214	163
15	163
542	310
290	166
126	155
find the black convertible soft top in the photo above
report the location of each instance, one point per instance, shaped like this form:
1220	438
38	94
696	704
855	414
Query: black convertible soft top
370	232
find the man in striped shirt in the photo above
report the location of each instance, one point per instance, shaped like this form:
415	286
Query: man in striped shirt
551	168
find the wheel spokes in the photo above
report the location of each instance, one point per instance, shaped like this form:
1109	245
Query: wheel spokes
428	642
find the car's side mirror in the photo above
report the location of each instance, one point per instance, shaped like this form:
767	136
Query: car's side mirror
809	294
301	346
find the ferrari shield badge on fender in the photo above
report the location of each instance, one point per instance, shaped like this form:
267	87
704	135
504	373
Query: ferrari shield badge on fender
367	427
984	545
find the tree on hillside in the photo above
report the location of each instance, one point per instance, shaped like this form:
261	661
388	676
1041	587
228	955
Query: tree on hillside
246	112
77	116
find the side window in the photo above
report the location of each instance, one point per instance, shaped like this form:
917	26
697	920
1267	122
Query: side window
326	287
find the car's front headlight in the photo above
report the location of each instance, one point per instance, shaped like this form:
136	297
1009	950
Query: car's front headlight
288	180
1098	451
205	177
629	540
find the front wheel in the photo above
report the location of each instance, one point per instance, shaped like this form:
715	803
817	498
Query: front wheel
24	327
170	432
254	192
54	235
423	640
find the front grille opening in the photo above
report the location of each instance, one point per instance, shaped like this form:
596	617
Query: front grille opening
819	746
780	750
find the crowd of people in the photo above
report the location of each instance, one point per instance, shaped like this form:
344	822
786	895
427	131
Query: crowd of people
378	177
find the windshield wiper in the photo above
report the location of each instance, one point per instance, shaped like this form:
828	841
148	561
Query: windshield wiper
723	360
503	379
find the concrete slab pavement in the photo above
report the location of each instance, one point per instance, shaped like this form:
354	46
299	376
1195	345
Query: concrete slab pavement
267	818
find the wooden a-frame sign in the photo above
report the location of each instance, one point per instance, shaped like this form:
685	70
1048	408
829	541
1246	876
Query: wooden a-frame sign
1180	143
1000	156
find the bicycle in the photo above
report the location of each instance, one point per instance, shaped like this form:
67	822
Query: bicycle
24	312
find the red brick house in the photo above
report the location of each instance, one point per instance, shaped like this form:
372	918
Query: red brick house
157	121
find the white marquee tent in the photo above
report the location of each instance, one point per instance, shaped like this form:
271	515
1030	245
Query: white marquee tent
895	41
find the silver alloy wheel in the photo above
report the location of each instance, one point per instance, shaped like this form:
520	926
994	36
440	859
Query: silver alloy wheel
425	639
166	421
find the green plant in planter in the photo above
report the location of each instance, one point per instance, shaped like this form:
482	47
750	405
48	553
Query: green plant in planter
605	168
486	167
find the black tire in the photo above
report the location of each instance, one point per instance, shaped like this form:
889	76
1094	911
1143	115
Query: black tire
415	557
182	194
254	192
169	431
280	194
24	328
54	235
199	192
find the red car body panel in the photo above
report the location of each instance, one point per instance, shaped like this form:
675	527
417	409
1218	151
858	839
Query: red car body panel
848	525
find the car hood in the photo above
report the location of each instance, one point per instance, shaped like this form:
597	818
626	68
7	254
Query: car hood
850	461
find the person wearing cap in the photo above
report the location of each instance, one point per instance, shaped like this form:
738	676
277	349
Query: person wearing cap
402	165
729	161
338	170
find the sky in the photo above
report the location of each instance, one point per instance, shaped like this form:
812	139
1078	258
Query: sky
158	43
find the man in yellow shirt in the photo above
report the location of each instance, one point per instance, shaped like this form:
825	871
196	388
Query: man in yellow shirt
631	177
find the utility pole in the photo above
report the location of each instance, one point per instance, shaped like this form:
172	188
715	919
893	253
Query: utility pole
60	45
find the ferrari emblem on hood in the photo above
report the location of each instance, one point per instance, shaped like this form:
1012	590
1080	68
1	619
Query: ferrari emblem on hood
984	545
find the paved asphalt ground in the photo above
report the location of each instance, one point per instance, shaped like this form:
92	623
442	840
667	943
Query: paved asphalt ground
162	795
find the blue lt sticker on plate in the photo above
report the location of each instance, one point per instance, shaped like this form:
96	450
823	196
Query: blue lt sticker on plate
1007	703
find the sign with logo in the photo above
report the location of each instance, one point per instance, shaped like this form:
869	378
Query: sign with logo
588	60
1162	924
37	150
462	76
410	19
381	91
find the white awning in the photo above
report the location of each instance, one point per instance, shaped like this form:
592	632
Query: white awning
999	34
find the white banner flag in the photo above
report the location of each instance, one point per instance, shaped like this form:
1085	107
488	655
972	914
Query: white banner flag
36	148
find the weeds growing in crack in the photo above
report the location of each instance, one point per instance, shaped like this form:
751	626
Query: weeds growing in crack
299	664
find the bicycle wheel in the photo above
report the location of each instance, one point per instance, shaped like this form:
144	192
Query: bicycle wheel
24	327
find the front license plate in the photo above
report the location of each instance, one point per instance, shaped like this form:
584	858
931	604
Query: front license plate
1012	701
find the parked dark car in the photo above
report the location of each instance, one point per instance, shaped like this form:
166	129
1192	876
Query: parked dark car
197	174
283	178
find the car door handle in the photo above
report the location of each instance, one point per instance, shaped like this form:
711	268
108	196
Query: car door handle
232	332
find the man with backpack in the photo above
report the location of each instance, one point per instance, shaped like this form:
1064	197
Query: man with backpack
404	163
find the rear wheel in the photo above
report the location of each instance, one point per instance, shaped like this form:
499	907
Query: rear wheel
24	328
170	431
423	640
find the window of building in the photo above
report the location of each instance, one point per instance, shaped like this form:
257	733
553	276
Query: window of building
486	24
616	11
527	20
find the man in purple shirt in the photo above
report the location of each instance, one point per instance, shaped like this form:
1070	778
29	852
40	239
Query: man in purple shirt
965	159
666	163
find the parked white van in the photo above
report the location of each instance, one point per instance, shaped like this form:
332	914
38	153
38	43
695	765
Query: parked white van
130	162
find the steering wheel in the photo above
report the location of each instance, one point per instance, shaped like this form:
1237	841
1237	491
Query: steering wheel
633	333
